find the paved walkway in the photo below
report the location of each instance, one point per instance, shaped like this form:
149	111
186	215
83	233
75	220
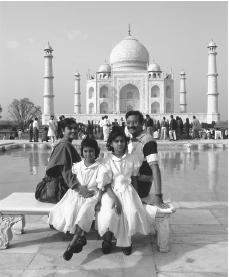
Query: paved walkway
198	249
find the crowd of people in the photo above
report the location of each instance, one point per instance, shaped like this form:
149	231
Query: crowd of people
110	188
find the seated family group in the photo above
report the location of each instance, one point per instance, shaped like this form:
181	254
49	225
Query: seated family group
110	187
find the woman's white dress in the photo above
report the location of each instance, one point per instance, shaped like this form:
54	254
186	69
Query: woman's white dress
74	209
133	218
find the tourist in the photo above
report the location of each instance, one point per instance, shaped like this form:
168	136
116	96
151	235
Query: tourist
35	130
20	134
187	128
45	134
52	129
59	128
122	123
59	175
142	146
105	124
149	124
195	127
122	213
31	130
74	213
172	128
163	128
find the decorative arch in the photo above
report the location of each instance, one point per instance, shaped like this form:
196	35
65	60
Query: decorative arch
91	92
91	108
129	98
155	92
168	92
155	107
103	92
168	107
104	108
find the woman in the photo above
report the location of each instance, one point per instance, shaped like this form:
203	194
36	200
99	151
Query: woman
52	129
59	177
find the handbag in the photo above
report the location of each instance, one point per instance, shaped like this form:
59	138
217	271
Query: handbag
50	189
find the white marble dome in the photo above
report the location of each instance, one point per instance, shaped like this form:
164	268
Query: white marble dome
104	68
154	67
212	44
129	54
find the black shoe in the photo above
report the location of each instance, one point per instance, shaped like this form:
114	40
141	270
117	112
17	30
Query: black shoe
81	242
106	246
127	250
68	253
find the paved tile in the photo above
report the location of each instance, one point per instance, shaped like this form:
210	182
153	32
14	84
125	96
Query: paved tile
191	274
205	229
199	238
193	258
193	216
11	273
138	261
14	261
55	273
137	271
105	273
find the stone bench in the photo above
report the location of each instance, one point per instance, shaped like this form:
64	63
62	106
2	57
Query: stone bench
18	204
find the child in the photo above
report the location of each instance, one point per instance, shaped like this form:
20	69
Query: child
122	212
75	212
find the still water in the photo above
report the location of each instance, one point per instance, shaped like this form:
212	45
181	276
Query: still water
195	176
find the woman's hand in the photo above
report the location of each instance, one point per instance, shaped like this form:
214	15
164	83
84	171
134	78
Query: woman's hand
117	206
84	192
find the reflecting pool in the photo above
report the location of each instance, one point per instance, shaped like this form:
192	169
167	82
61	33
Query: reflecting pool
186	176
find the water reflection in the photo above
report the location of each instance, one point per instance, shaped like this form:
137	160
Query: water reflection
186	175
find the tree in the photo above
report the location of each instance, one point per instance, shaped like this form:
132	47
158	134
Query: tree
22	111
0	110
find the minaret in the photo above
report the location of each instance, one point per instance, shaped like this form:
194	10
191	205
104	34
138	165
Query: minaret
48	86
212	108
77	104
183	103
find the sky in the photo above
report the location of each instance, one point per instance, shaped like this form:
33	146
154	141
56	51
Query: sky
83	34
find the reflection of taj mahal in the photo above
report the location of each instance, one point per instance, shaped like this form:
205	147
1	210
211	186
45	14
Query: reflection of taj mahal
130	82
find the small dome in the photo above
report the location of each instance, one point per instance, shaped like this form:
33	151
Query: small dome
129	52
77	74
212	44
182	73
154	67
104	68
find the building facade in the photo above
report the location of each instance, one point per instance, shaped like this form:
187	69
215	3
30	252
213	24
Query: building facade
129	82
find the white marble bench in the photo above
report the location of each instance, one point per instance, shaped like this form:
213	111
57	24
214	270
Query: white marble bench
18	204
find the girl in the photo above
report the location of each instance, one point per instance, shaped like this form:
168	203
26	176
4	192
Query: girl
75	212
122	212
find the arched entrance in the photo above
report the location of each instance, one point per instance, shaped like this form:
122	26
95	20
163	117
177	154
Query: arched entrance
155	107
129	98
103	108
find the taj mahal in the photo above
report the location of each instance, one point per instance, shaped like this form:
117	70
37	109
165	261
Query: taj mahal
131	82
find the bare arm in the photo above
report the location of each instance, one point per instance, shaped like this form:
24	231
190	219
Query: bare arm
116	203
156	177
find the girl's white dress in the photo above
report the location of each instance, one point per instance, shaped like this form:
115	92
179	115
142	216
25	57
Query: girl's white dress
133	218
74	209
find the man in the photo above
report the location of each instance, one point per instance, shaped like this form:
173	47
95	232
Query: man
172	128
35	130
195	127
144	149
163	128
149	124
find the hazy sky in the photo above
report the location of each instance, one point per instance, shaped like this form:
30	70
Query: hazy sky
83	34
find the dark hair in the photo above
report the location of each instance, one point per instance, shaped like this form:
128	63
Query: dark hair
67	122
90	142
137	113
117	132
171	116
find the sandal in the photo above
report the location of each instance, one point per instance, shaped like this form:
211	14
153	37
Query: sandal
106	246
68	253
127	250
81	242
